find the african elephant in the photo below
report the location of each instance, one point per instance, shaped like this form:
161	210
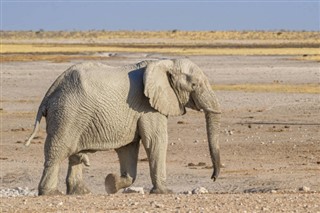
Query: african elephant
93	106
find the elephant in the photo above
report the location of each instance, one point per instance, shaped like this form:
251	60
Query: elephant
93	107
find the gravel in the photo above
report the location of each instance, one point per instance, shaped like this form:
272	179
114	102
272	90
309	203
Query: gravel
18	192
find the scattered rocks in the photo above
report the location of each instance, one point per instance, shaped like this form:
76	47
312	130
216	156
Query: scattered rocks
17	192
196	191
200	190
138	190
228	132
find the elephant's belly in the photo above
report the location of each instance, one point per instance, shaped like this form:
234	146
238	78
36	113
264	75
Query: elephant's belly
104	134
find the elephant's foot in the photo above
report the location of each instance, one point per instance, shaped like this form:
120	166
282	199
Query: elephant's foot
111	183
79	189
114	183
160	191
48	192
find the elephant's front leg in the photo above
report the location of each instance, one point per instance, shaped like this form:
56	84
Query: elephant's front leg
128	157
153	131
75	184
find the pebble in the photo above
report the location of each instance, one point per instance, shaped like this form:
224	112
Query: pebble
200	190
18	192
304	189
187	192
138	190
156	205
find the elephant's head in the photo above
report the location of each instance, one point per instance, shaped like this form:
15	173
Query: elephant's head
172	85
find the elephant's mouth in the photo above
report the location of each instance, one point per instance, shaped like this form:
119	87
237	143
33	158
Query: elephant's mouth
192	104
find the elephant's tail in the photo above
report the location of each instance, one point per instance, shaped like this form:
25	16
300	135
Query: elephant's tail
41	112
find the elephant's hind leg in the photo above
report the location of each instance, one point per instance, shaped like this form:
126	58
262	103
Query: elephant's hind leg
128	156
49	180
75	184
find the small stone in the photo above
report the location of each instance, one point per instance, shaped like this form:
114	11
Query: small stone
200	190
304	189
201	164
138	190
187	192
196	141
182	122
273	191
156	205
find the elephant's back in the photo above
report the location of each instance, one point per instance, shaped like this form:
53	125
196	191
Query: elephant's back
100	77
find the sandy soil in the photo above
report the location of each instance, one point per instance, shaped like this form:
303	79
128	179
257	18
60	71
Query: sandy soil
270	144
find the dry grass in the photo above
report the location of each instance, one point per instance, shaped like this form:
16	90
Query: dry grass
63	46
279	88
56	58
173	34
85	48
309	58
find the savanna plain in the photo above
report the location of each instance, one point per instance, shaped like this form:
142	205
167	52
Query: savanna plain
268	87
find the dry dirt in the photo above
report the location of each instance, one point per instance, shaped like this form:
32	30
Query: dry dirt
270	144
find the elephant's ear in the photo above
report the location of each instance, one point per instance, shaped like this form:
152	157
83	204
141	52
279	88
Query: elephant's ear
158	89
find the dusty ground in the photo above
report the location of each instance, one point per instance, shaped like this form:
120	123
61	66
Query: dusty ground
270	144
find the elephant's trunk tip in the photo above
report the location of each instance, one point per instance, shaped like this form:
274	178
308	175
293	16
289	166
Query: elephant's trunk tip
214	176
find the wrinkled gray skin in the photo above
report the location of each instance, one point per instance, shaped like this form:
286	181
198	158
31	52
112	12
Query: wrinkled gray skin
93	107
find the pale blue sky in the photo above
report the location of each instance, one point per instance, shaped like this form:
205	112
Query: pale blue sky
160	15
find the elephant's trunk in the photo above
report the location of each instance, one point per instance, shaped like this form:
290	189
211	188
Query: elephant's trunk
213	128
207	101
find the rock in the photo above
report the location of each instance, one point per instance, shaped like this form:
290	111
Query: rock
187	192
228	132
200	190
182	122
138	190
304	189
201	164
17	192
156	205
